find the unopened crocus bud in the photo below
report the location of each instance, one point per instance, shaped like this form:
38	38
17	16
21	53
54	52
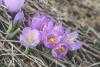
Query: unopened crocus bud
19	17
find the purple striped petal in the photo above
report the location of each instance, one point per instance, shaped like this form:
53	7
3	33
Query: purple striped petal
41	22
71	40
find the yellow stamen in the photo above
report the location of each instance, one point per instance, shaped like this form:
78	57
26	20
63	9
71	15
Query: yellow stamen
52	39
30	37
62	49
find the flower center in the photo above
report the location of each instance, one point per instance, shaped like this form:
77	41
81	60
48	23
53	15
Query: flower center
61	49
52	39
30	37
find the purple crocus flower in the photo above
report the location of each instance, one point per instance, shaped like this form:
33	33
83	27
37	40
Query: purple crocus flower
53	37
60	51
71	40
19	16
41	21
14	5
0	2
50	40
30	37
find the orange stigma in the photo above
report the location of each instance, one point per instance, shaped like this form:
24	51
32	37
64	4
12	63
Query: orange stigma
61	49
52	39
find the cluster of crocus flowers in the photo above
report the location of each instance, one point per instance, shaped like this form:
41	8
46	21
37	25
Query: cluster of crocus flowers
44	29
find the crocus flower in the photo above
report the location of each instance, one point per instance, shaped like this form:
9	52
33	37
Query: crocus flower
14	5
50	40
71	40
53	37
60	51
19	16
0	2
30	37
41	22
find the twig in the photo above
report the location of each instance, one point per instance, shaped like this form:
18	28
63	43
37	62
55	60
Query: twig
97	34
98	63
58	62
92	49
10	41
31	58
96	55
88	56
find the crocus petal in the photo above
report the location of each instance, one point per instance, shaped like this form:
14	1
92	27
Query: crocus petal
71	40
19	16
30	37
58	28
0	2
60	51
76	45
53	37
41	22
13	5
